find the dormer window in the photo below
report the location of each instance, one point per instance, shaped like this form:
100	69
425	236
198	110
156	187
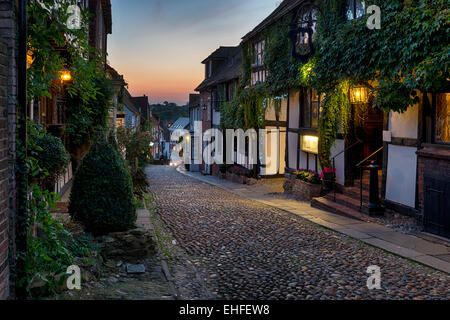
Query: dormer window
354	9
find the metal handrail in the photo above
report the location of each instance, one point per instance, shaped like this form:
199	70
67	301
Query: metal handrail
334	162
348	148
359	164
361	177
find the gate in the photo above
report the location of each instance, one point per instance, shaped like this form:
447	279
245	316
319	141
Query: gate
437	205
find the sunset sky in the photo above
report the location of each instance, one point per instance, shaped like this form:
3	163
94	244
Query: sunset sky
158	45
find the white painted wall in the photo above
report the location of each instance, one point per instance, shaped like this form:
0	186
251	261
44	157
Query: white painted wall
275	163
294	109
338	146
216	118
270	111
401	175
405	125
292	145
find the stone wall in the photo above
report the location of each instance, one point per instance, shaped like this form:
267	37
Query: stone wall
4	183
299	189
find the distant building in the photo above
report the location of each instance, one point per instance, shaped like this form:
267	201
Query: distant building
130	114
180	124
143	106
195	115
222	72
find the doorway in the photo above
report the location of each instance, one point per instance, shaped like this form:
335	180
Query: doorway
366	127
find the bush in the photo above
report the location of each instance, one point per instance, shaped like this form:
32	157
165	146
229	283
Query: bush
53	157
308	176
49	153
135	144
102	192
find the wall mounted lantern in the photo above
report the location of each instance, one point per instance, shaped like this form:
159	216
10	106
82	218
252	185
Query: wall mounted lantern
65	75
359	95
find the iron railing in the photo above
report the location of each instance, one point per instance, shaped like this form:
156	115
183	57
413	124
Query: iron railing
333	160
361	169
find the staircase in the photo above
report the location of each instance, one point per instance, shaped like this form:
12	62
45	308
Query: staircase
348	200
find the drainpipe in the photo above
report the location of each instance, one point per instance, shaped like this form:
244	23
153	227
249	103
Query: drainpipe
21	172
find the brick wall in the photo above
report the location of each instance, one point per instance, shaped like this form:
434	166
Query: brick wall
434	161
8	94
4	217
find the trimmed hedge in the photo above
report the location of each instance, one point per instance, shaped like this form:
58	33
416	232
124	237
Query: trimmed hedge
53	157
102	193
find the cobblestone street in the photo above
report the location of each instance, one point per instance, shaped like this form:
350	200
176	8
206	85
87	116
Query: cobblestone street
253	251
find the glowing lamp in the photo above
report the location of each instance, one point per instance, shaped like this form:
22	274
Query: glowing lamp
30	59
310	144
359	95
65	75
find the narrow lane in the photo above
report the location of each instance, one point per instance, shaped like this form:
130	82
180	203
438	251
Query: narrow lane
252	251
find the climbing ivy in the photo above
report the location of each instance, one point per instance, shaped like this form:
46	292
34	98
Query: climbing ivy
247	110
335	115
410	52
54	47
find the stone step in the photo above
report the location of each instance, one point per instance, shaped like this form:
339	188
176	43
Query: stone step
334	207
354	192
345	200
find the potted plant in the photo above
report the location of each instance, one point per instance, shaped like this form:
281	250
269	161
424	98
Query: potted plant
305	185
328	177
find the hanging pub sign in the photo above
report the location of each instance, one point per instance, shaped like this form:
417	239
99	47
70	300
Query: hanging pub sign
303	32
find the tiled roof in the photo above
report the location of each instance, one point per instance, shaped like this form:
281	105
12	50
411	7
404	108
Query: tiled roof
127	100
141	102
181	123
230	69
284	8
221	53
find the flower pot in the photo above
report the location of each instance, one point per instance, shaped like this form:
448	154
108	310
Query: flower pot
306	191
327	185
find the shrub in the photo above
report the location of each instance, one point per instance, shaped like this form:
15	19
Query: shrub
135	145
49	153
308	176
102	193
53	157
328	174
